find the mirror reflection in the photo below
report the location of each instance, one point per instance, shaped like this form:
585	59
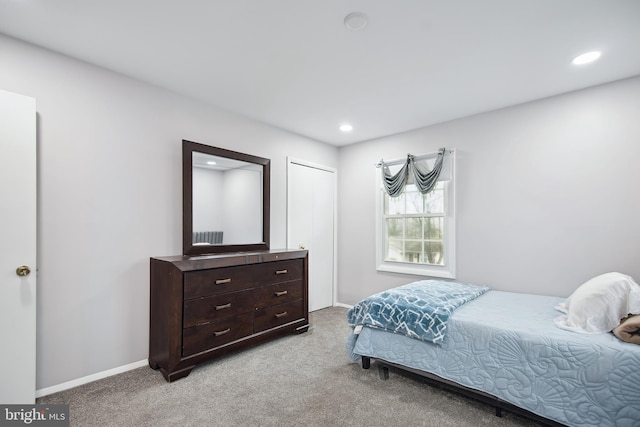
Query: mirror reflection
227	201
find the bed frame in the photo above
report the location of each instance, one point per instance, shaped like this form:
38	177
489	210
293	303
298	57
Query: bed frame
435	380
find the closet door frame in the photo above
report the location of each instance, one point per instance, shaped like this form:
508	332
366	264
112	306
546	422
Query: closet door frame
333	171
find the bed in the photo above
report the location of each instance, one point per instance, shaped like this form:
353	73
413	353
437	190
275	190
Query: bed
505	348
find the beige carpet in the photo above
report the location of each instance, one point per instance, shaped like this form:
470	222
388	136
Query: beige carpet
298	380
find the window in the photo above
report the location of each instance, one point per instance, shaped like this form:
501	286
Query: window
416	232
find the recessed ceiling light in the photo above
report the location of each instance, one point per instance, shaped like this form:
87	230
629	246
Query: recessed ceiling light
586	58
355	21
346	127
211	162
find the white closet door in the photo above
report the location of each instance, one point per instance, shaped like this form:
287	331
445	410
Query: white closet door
311	215
17	249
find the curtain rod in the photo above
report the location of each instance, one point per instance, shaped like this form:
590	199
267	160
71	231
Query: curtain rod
420	157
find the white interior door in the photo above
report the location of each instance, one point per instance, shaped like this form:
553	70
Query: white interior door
17	249
310	218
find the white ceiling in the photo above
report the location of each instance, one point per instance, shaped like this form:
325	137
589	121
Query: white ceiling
294	65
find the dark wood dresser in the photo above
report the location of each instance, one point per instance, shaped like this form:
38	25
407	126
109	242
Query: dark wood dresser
208	305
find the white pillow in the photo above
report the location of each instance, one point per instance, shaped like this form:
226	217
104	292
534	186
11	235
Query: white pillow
598	305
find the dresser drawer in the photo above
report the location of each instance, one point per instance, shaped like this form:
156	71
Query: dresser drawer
280	271
217	281
279	293
276	315
230	279
213	307
210	335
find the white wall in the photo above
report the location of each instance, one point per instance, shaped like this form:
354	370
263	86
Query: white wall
547	194
110	197
242	206
208	199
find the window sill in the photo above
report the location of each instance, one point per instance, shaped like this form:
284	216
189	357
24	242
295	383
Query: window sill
417	269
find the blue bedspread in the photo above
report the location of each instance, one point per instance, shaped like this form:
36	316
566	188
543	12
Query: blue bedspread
418	310
507	345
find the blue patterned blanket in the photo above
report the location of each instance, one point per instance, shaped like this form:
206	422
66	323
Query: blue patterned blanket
418	310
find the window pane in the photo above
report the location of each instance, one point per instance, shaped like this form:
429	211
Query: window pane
393	205
394	250
433	253
412	252
413	228
394	228
385	201
434	200
415	202
433	229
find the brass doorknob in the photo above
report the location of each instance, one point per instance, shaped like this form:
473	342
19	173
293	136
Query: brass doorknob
301	246
23	270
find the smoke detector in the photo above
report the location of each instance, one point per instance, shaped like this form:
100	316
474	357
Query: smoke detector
355	21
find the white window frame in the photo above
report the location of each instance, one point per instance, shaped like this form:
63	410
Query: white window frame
448	269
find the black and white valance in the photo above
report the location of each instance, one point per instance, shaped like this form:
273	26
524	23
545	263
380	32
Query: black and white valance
423	178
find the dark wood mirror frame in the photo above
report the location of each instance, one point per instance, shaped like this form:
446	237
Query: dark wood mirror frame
188	248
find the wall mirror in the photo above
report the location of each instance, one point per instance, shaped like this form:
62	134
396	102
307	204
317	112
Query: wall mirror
225	200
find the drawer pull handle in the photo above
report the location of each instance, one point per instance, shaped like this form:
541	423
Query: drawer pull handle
222	281
281	293
223	306
279	315
218	333
281	272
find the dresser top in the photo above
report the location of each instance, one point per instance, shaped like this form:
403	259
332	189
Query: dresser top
200	262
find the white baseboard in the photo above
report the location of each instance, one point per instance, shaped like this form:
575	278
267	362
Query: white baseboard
339	304
90	378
